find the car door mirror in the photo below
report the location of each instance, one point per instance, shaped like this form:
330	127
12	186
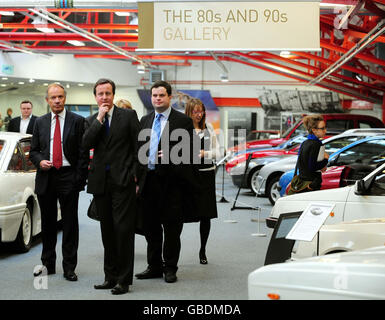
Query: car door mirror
359	187
332	162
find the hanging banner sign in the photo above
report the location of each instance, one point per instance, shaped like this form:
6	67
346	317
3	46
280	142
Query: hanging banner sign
229	25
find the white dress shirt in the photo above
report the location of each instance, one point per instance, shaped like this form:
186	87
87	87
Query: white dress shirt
24	124
62	116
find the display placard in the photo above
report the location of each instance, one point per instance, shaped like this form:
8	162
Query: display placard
274	25
310	221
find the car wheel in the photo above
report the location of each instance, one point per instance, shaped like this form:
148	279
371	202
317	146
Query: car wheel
253	181
24	237
272	191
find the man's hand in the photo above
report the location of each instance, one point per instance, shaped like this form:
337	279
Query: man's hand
45	164
103	109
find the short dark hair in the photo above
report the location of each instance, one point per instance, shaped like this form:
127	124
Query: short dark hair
163	84
104	81
26	101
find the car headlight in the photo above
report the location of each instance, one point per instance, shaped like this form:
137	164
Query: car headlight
239	169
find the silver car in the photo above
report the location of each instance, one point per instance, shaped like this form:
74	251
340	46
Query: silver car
266	182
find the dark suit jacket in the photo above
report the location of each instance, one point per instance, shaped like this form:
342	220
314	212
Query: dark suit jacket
118	150
76	155
14	124
179	180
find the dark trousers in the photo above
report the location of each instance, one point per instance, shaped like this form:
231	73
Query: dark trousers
60	187
162	235
117	209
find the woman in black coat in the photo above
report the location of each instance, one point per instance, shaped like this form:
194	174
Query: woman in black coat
312	158
205	203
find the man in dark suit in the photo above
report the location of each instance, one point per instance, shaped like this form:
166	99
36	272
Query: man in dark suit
112	133
164	178
61	162
26	121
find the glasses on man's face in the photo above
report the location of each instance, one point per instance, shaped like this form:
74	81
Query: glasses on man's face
322	128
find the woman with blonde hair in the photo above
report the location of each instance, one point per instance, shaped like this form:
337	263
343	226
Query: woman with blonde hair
123	103
205	202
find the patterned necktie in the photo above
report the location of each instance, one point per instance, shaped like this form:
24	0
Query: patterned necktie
155	136
57	157
107	124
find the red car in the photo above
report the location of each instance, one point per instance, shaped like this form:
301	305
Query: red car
342	176
335	123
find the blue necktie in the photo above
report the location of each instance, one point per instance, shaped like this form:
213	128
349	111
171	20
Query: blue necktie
155	136
107	124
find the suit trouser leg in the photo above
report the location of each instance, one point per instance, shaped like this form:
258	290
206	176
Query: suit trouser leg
154	238
48	209
60	187
70	241
117	208
171	245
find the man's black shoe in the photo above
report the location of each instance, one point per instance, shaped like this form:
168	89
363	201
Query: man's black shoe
119	289
105	285
70	276
44	270
149	274
170	277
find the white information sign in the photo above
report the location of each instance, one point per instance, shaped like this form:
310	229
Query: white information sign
310	221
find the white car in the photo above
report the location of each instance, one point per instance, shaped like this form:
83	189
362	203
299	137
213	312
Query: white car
19	208
350	275
266	182
363	200
342	237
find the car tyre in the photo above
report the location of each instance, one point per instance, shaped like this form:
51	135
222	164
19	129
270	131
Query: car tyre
272	191
24	237
253	180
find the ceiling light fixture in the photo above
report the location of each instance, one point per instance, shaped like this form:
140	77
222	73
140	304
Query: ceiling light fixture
71	27
40	24
80	84
141	68
285	54
76	43
7	13
31	80
224	78
122	13
358	77
20	82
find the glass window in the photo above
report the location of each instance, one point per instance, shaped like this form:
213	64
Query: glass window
335	145
366	153
25	146
339	125
365	124
301	130
16	163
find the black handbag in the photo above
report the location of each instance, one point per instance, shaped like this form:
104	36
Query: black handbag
92	212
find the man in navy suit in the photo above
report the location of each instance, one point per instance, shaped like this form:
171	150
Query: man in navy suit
112	132
163	182
62	166
26	121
